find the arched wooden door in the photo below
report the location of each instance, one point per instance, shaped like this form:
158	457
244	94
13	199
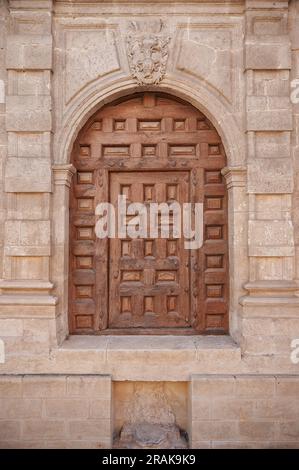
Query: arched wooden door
151	148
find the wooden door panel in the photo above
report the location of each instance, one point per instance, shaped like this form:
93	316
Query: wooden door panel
151	148
149	283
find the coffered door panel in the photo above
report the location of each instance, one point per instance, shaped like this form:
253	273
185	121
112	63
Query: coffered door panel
149	276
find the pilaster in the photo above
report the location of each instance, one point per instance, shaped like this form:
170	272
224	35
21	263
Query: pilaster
269	123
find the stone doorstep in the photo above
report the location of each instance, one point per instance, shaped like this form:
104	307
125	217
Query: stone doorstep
149	356
148	343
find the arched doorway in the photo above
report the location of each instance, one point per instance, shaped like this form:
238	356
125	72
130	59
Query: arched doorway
150	148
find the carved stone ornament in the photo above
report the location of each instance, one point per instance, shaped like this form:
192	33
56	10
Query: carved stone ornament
147	51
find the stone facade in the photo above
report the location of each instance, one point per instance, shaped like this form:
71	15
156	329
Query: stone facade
237	61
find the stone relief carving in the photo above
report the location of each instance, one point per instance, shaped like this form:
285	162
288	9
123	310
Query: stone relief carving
150	423
147	49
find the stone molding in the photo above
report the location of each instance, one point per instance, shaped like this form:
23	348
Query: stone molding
235	176
273	288
63	174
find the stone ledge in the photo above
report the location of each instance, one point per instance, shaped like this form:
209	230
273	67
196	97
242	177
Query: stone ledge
28	300
25	285
149	343
271	288
147	357
279	307
28	306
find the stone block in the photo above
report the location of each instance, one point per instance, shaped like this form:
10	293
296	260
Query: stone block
256	326
270	176
255	387
10	386
282	409
27	175
270	238
289	430
44	387
29	51
200	408
268	53
28	113
279	103
29	144
28	267
212	386
271	207
9	430
14	444
28	82
272	145
75	444
36	330
232	409
11	327
67	408
89	386
28	206
20	408
256	430
204	430
27	233
286	326
271	83
100	409
287	387
48	429
201	445
269	120
258	345
90	429
254	103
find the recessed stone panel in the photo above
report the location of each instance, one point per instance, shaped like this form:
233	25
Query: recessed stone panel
82	44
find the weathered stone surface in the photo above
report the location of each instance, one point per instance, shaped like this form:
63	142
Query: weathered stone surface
254	415
27	233
271	238
29	144
272	120
150	420
11	327
29	51
268	53
206	56
29	82
271	83
27	175
96	387
37	110
99	44
270	176
38	386
150	436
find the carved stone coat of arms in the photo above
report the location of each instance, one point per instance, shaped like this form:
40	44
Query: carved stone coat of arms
147	51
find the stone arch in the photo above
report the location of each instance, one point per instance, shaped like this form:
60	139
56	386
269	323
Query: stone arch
200	97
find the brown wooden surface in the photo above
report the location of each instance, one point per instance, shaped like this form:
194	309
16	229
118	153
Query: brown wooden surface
153	148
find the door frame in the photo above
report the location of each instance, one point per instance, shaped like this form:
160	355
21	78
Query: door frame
235	175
